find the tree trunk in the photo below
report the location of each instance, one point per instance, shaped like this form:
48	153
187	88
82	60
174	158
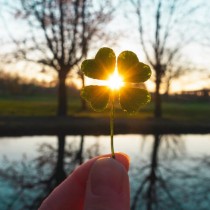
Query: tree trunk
79	156
167	89
60	174
83	102
62	94
152	188
158	107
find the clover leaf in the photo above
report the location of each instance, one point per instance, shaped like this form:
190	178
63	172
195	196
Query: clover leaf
130	69
132	99
97	96
101	66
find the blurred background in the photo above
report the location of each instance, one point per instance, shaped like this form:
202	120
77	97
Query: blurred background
47	129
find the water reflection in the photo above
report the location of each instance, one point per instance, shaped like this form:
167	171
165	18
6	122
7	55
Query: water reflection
31	181
165	177
147	193
171	180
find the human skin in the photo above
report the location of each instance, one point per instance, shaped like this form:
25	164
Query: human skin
101	183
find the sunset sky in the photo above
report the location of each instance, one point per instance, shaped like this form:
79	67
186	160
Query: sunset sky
196	54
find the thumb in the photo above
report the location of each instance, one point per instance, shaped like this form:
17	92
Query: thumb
107	186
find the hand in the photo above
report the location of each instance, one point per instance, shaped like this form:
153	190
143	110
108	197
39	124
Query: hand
99	184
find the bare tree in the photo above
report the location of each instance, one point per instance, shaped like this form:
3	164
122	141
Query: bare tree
171	178
60	34
171	75
165	28
42	174
148	192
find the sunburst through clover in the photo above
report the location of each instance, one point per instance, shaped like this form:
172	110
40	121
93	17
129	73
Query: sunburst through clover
120	76
115	81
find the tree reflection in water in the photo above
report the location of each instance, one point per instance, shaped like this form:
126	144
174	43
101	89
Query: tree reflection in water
171	180
32	181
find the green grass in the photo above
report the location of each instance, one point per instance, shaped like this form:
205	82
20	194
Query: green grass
33	106
177	111
197	111
46	106
27	106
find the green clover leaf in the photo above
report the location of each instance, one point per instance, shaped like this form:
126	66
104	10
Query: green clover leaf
132	70
131	99
101	66
97	96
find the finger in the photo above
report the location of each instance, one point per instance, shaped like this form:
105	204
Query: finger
108	186
71	192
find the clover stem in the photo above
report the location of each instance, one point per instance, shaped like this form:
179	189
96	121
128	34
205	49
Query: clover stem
112	124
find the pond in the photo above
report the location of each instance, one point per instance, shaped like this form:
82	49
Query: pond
166	172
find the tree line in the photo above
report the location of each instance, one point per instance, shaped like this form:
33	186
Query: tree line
61	33
16	85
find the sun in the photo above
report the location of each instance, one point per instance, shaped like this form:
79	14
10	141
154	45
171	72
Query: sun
115	81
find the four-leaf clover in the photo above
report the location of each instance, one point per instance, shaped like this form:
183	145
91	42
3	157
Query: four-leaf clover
130	69
131	98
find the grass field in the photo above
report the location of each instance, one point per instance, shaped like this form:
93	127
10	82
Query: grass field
46	106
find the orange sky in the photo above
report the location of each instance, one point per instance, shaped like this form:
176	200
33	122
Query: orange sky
195	54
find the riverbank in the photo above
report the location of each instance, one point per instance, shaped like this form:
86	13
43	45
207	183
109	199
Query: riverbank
18	126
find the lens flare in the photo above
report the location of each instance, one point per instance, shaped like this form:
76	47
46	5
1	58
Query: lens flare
115	81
